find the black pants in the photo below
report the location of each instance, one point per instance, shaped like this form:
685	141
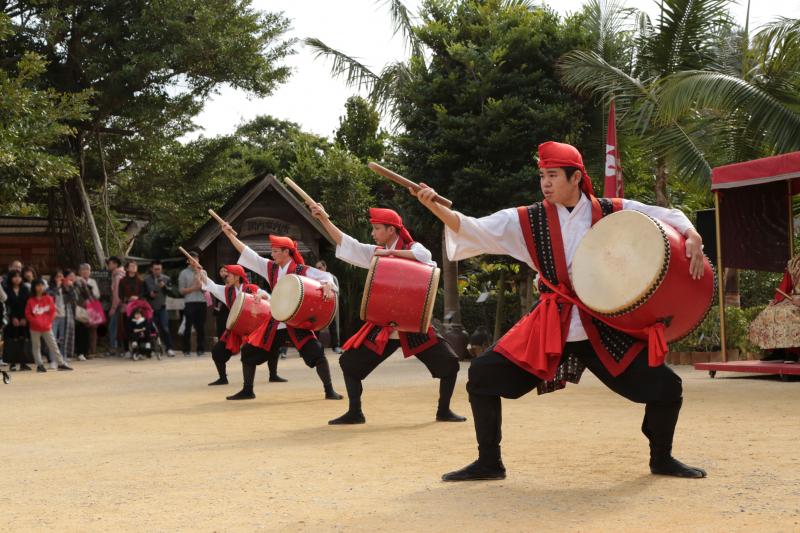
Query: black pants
333	330
195	313
492	376
221	355
440	359
81	339
312	353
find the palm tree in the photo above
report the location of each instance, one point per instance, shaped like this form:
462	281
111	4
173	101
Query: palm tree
682	39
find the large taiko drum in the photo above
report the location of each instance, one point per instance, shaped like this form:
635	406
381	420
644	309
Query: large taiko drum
400	293
633	270
246	315
297	300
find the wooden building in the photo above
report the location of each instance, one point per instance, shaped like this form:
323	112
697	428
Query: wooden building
261	207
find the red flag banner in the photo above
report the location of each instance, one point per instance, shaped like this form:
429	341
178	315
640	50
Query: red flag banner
613	182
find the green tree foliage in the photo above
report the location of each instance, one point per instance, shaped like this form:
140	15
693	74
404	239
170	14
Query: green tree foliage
34	124
358	130
476	112
149	66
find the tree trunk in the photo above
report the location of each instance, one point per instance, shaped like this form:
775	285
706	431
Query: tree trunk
87	208
732	296
661	183
452	306
501	301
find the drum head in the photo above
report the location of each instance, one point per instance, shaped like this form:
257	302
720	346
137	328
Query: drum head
287	297
236	308
619	262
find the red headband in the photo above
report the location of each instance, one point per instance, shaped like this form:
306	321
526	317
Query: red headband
285	242
389	217
237	270
555	155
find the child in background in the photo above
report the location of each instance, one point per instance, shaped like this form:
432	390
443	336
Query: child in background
40	313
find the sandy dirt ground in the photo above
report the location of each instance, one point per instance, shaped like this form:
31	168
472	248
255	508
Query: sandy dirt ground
147	446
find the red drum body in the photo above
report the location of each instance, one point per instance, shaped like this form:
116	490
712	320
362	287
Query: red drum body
246	315
400	293
633	270
297	301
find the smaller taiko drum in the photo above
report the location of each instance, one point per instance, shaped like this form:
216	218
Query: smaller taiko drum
297	301
400	293
246	315
633	270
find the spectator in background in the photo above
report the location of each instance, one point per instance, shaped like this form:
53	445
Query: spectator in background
156	287
16	331
3	298
57	292
40	311
194	310
81	294
16	264
333	328
85	277
131	288
114	267
29	274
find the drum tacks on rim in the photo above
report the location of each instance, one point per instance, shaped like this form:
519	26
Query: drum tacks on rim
633	270
297	301
400	293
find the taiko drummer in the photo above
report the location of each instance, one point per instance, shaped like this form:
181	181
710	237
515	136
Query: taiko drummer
555	343
373	343
230	342
264	343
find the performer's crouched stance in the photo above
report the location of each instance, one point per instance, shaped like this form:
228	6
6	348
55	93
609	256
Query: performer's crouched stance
557	340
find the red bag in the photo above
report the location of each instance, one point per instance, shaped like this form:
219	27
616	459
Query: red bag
96	315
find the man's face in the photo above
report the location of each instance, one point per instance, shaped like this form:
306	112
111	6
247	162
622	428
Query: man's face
383	235
85	272
157	269
281	255
112	265
15	265
557	188
230	279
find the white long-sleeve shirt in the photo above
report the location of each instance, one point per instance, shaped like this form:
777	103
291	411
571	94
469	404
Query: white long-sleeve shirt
261	265
360	254
501	234
218	291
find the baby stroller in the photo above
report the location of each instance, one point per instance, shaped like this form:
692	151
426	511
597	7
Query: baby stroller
142	333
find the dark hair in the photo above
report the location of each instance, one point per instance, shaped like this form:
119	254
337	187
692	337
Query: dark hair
29	268
13	274
155	262
129	262
36	283
570	171
67	272
114	258
323	263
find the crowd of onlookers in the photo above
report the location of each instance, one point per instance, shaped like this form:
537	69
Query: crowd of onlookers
58	318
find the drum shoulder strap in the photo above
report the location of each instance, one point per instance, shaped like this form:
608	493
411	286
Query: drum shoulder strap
273	274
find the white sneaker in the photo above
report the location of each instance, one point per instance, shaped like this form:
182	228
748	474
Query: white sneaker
53	365
81	358
128	355
3	363
171	353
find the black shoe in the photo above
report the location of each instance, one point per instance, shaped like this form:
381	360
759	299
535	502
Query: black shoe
41	368
449	416
277	379
673	467
476	472
24	367
348	418
64	367
242	395
333	395
220	381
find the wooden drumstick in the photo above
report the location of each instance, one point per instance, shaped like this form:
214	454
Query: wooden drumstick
302	194
400	180
189	256
784	294
220	220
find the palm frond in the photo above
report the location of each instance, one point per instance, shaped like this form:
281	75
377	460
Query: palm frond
721	92
355	73
403	23
385	92
682	153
